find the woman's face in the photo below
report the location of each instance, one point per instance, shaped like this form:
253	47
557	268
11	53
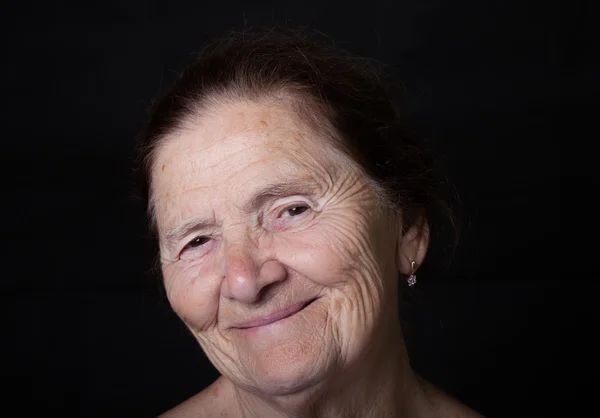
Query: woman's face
273	251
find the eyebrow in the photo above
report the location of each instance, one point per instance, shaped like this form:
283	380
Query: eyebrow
298	186
186	227
302	186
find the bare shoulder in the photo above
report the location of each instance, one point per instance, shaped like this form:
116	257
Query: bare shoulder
445	406
207	403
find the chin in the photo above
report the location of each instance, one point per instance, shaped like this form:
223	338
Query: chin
287	371
283	384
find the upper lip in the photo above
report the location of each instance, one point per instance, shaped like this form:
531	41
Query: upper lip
274	316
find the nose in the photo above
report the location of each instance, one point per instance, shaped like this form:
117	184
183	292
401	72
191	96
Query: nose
245	274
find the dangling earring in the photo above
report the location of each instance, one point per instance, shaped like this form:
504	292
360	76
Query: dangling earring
412	279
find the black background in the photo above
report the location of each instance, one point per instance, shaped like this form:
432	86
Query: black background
87	330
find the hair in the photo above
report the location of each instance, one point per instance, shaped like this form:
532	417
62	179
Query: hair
353	95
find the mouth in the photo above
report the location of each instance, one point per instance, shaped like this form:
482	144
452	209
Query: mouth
276	316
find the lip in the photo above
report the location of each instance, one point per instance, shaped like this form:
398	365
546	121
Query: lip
275	316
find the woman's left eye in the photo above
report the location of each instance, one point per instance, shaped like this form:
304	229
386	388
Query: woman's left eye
295	210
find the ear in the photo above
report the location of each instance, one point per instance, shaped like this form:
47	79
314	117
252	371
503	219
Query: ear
412	246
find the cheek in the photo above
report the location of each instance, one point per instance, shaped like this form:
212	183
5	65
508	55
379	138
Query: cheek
330	253
194	296
339	256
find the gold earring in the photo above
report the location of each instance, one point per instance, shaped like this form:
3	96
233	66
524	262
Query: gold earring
412	279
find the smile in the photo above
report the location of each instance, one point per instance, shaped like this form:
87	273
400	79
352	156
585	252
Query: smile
276	316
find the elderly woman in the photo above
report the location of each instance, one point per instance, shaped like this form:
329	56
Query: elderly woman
287	204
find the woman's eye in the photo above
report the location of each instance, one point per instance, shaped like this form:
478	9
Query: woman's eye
296	210
197	242
195	249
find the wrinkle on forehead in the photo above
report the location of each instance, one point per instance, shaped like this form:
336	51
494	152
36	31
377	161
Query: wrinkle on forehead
244	122
233	142
290	105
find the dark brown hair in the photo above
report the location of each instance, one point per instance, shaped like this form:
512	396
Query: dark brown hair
353	94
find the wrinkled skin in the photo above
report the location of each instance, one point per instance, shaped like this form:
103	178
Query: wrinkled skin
228	258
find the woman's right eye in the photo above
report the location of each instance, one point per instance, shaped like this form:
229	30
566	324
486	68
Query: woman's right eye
197	242
195	249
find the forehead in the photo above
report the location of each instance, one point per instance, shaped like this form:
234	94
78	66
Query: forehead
236	147
269	125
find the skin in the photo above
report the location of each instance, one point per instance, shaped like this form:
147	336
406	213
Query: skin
231	254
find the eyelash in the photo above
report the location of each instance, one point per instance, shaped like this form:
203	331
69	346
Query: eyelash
301	205
190	244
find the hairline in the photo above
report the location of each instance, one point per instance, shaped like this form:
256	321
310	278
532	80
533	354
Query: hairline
309	111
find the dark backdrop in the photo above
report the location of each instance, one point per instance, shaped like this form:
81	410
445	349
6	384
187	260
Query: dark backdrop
87	330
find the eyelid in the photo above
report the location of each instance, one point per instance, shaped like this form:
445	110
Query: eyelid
194	239
186	247
278	221
292	204
308	208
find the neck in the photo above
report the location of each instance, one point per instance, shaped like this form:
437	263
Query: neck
383	384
